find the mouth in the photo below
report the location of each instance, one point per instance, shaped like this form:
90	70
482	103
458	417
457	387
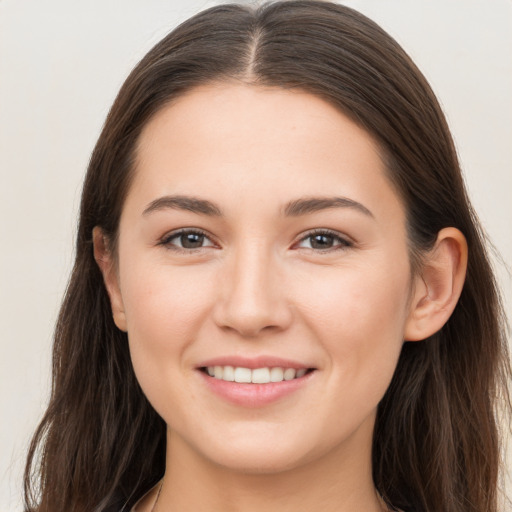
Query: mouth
264	375
255	381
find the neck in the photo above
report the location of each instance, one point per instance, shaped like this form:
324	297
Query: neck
339	481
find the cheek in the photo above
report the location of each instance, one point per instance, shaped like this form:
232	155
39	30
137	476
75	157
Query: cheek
355	300
359	316
165	308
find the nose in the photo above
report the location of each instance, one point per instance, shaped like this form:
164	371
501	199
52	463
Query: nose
252	294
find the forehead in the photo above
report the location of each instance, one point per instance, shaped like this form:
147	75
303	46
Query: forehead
256	142
236	113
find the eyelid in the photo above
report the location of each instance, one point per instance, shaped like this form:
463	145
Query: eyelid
166	239
345	241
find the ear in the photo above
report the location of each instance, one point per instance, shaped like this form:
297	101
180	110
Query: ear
439	285
105	260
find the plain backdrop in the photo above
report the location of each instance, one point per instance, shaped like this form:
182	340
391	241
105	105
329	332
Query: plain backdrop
61	64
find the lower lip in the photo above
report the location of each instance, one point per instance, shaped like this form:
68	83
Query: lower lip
254	395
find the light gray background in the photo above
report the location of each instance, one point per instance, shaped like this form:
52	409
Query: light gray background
61	64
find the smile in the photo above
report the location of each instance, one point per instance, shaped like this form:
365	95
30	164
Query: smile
264	375
255	381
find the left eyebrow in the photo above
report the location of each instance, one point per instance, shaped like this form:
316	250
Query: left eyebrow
306	205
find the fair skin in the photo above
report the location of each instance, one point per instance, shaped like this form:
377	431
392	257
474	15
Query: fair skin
262	272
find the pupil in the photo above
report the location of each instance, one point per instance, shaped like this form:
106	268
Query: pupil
192	240
321	241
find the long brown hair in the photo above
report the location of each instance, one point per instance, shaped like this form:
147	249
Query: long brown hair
436	448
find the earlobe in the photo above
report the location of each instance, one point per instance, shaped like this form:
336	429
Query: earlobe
105	262
439	285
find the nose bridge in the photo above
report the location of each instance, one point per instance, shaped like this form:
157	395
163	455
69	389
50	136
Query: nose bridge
253	296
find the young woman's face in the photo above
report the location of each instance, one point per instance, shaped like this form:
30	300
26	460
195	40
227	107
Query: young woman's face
260	240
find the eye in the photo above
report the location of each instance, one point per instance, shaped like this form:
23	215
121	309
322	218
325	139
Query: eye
323	240
186	239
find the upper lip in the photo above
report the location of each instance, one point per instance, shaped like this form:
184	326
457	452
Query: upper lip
263	361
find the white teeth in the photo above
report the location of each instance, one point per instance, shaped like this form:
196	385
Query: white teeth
276	375
260	376
289	374
218	372
256	376
229	374
242	375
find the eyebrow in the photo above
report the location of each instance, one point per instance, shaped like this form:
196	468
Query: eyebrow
191	204
295	208
307	205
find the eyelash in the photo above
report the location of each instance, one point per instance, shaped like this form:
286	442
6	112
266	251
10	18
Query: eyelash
342	243
166	240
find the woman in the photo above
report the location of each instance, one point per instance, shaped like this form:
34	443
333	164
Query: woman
281	297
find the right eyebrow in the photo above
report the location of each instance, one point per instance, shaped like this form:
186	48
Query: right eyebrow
179	202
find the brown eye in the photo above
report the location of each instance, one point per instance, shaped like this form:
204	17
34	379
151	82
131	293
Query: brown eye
323	241
191	240
188	239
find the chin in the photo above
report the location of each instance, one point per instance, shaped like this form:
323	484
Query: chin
264	454
256	462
